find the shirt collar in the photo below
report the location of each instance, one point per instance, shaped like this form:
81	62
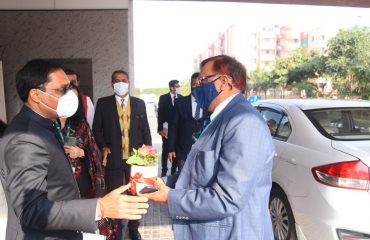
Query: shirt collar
221	106
172	95
118	98
192	98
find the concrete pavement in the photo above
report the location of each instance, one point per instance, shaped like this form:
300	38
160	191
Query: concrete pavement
156	224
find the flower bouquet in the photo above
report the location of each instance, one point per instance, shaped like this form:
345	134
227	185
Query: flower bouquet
144	169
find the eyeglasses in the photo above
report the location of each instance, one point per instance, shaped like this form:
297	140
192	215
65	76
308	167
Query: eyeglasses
60	91
202	79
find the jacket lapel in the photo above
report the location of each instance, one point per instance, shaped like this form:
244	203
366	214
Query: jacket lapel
115	112
188	106
214	125
133	108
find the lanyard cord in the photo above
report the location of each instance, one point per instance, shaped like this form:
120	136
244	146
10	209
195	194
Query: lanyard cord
59	131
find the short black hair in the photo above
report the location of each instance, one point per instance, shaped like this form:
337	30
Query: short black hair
79	116
172	83
194	76
119	71
71	72
34	75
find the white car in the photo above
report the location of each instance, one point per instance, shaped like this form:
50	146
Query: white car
321	174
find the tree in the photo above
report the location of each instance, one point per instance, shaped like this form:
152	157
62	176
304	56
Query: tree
348	61
261	80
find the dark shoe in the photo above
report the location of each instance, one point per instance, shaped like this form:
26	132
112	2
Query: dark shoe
164	172
135	236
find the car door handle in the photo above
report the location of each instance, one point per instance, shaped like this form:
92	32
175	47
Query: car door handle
292	161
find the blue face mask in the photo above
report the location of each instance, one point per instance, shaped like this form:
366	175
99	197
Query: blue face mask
205	94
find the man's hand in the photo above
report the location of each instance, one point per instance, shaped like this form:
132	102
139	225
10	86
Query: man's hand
74	152
171	156
160	196
163	133
106	151
119	206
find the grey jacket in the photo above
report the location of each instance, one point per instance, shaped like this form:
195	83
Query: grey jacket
42	194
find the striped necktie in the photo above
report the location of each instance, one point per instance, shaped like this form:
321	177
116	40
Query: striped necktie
197	112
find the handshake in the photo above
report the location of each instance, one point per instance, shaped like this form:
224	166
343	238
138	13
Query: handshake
116	205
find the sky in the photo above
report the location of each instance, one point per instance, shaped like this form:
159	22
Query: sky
169	35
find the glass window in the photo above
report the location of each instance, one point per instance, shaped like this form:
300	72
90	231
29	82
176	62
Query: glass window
343	124
277	122
284	128
272	119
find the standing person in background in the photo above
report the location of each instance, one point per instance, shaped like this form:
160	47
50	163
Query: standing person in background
86	100
82	151
85	159
166	111
42	194
188	119
223	189
120	124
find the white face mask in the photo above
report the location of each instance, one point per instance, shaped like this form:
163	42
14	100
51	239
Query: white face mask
120	88
67	104
178	90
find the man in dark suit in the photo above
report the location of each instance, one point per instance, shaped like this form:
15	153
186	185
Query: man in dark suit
165	116
120	124
41	191
188	119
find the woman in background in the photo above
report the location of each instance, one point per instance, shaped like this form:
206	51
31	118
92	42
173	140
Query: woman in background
83	153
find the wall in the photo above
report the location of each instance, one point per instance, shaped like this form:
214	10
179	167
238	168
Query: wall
98	34
63	4
2	96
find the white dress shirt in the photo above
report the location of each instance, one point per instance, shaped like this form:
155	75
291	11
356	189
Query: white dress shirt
194	106
119	99
172	99
221	106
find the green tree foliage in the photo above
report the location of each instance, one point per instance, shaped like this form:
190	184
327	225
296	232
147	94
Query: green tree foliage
261	81
348	61
293	69
156	91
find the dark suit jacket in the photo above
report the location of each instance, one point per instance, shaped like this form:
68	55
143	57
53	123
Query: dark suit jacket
107	130
165	109
41	191
182	127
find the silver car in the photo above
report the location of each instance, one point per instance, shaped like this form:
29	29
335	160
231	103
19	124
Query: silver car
321	174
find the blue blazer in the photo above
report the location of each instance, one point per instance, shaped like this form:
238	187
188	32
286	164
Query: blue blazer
223	190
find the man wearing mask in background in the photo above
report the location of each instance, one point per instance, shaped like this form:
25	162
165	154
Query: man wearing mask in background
188	120
165	116
41	191
120	124
86	100
223	189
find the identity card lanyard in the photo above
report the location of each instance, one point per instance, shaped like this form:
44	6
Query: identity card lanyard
59	131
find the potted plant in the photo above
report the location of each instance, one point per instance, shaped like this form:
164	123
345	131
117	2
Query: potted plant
144	169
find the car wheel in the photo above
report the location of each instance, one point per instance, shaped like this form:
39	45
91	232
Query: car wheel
281	216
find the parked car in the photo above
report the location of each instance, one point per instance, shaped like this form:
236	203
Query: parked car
321	174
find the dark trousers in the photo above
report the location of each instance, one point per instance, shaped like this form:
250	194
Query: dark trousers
116	178
164	155
165	158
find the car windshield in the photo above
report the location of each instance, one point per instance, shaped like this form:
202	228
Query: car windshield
343	123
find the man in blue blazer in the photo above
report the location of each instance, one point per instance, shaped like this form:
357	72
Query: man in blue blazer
223	189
